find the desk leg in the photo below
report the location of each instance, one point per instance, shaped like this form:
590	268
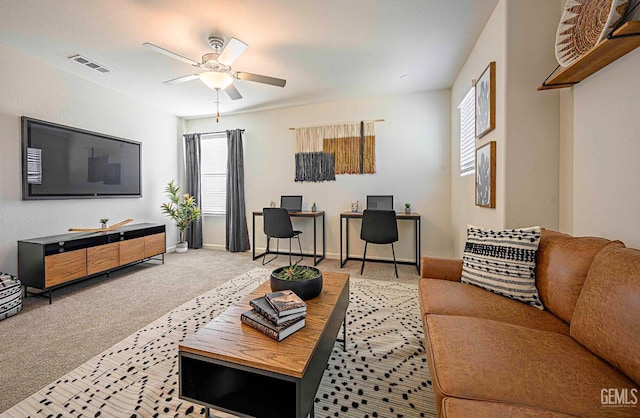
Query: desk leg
346	231
253	237
315	263
418	242
341	262
207	414
324	239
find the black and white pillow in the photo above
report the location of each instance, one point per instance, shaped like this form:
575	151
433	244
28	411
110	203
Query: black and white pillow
10	295
503	262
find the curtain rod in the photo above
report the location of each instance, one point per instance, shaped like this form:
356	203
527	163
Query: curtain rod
216	132
339	123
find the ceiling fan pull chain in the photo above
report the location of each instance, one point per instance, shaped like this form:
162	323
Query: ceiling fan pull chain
217	105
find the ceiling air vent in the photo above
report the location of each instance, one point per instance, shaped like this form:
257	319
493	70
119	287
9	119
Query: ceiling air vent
89	63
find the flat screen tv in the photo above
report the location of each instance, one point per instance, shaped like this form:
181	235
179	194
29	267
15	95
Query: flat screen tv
61	162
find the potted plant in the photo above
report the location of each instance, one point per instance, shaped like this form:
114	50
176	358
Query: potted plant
304	281
103	223
407	208
314	207
183	209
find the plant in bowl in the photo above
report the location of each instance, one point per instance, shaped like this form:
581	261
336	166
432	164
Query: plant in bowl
183	209
304	281
407	208
103	223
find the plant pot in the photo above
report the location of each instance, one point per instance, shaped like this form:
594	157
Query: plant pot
306	289
182	247
407	211
104	225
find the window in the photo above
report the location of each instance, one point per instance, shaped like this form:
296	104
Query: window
467	133
213	173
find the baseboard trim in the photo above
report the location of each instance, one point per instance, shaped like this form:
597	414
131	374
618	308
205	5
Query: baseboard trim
331	256
336	256
214	246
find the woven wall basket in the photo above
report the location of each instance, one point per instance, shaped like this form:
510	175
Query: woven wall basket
584	23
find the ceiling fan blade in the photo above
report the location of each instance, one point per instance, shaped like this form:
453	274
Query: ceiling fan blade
183	79
261	79
233	92
171	54
232	51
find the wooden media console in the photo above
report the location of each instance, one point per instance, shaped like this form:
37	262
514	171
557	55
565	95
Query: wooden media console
50	262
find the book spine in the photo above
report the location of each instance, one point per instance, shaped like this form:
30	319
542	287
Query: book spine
264	313
259	327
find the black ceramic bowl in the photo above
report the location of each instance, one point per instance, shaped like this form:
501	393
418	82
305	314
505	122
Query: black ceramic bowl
306	289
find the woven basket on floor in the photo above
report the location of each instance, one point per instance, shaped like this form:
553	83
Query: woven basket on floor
584	23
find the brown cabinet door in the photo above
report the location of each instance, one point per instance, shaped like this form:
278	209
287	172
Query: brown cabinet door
154	245
60	268
131	250
102	258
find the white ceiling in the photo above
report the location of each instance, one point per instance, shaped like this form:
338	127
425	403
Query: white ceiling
326	49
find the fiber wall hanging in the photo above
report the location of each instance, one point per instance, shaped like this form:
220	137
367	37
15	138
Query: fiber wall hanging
584	23
324	151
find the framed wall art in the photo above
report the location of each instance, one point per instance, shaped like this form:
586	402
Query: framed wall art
486	175
486	101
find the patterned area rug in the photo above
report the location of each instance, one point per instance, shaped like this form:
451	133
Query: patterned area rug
384	372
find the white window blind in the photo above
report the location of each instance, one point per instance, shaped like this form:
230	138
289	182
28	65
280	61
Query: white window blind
213	173
467	133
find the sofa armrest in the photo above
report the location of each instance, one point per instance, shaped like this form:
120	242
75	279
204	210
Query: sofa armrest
441	268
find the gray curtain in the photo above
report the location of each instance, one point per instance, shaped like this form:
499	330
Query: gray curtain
192	162
237	232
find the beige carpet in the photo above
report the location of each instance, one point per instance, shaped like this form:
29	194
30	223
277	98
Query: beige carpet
45	341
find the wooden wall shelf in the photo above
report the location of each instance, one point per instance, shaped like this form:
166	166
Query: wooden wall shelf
623	40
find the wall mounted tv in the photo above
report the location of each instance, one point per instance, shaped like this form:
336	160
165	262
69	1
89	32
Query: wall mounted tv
60	162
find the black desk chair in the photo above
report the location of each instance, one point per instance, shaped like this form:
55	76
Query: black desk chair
379	227
277	224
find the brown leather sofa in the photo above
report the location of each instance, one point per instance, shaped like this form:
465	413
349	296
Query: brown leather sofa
491	356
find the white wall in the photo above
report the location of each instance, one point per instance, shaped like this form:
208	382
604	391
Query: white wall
32	88
519	37
412	163
490	46
532	120
606	153
565	163
599	152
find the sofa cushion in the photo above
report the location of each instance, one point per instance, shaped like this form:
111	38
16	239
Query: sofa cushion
464	408
441	268
562	265
445	297
488	360
607	315
503	262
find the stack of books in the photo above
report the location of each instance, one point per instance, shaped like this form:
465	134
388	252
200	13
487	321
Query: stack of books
277	314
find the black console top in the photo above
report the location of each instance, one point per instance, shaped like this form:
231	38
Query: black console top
82	235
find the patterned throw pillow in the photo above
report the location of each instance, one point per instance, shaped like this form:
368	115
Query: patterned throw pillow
503	262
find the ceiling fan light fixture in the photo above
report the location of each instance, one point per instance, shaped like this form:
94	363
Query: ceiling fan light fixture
216	80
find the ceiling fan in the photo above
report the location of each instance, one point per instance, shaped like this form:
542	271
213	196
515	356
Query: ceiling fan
219	75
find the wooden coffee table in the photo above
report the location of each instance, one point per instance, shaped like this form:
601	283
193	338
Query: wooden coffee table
233	368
